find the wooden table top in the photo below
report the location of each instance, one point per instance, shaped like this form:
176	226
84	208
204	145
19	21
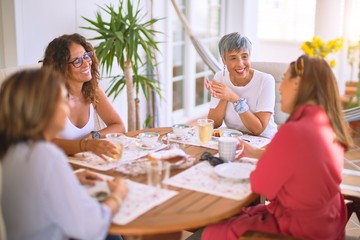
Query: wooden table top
187	210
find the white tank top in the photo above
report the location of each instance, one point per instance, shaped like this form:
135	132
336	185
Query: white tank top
72	132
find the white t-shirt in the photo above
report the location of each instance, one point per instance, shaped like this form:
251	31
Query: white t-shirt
73	132
43	199
260	96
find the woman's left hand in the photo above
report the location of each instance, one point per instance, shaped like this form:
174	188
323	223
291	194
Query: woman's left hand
87	177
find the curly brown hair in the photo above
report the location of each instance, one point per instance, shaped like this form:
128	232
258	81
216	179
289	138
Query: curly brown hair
57	56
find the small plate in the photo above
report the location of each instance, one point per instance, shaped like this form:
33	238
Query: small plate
231	133
139	144
227	133
234	170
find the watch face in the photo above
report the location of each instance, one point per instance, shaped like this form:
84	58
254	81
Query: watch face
95	134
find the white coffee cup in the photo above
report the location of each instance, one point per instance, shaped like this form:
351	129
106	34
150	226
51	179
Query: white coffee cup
227	148
149	138
181	130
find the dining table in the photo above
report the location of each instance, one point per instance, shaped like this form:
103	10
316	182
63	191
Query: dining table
187	210
190	209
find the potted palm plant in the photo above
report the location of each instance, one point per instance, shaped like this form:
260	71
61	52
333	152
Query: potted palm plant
123	38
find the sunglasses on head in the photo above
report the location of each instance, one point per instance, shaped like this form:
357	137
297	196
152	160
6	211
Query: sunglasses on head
206	156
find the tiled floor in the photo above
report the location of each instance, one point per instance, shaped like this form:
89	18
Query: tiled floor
353	228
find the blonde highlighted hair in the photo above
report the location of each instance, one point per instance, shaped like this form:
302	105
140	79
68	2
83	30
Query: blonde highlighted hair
318	84
28	101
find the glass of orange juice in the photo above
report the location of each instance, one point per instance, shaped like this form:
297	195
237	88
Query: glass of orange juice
205	130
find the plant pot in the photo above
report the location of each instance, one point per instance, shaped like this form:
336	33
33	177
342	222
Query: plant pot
354	128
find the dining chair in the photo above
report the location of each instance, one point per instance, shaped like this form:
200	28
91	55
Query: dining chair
352	205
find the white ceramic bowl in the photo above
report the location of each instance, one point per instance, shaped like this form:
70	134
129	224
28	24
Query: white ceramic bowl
149	138
181	130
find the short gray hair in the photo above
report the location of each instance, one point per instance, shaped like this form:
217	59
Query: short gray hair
233	41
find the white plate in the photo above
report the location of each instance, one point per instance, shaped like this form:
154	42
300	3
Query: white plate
234	170
227	133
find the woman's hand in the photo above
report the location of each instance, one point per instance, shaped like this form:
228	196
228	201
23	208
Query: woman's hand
207	85
101	148
222	91
87	177
118	187
248	150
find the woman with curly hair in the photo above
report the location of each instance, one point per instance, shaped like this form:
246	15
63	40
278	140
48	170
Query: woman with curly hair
75	58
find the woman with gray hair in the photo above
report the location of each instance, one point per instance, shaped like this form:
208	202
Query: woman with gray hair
242	97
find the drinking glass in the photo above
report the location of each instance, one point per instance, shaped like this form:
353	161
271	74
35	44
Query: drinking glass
157	172
205	130
115	138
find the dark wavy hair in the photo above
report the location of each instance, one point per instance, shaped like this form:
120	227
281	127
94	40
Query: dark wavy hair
318	84
23	114
57	55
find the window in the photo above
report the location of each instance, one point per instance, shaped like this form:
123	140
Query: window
204	17
354	19
292	20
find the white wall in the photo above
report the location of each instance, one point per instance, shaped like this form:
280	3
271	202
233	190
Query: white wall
25	37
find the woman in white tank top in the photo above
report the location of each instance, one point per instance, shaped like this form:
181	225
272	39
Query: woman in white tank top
73	56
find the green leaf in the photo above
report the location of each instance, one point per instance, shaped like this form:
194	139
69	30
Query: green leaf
124	34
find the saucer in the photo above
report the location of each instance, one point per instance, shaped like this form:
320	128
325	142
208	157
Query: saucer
172	136
227	133
141	145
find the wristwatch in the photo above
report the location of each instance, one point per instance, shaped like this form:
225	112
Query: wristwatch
95	134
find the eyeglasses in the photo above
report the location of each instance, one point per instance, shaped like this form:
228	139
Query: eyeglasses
77	62
206	156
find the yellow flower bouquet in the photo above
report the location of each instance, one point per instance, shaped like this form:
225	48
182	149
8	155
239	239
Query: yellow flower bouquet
317	47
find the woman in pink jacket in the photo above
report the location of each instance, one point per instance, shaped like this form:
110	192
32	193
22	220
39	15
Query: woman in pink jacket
300	171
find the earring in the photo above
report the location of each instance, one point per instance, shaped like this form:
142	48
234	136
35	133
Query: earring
224	71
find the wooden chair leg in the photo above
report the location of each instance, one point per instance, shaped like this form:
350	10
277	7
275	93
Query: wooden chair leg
353	207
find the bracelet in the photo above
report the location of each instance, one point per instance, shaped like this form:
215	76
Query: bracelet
80	144
117	199
86	140
241	106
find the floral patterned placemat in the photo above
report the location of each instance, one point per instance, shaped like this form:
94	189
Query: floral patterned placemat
202	178
192	139
140	199
132	151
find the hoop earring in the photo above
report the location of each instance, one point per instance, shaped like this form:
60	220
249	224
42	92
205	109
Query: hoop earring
224	71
